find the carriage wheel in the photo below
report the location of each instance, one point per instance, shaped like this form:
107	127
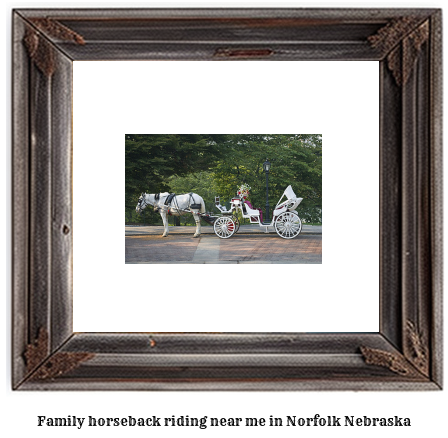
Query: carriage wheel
288	225
224	227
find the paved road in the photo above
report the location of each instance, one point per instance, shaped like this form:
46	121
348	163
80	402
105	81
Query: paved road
241	248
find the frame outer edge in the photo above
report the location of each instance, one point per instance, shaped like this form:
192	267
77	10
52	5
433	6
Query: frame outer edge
436	137
20	191
418	264
279	385
204	13
42	144
418	328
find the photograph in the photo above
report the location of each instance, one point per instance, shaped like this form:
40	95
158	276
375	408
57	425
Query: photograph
214	187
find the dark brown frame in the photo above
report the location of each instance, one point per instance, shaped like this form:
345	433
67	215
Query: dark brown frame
406	354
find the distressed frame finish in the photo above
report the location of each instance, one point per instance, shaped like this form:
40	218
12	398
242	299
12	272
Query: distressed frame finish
406	354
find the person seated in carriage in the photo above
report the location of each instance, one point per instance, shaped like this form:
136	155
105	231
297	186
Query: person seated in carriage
243	193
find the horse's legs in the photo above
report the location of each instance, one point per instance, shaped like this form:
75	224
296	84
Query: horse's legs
165	222
197	219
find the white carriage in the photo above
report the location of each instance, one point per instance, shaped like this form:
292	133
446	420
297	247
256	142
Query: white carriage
285	219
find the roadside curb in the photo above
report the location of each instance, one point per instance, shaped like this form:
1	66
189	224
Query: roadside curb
272	234
247	230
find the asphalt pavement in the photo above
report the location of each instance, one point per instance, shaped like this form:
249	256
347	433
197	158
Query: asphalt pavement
251	244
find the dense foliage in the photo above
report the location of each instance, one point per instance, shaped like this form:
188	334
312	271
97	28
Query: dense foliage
217	164
151	159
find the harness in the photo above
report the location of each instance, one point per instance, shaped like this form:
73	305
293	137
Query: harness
142	202
193	206
171	199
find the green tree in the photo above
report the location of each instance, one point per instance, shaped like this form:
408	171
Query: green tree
296	159
150	160
217	164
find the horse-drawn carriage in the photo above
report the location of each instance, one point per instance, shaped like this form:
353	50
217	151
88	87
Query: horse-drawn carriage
285	219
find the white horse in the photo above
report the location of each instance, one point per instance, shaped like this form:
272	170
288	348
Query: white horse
179	205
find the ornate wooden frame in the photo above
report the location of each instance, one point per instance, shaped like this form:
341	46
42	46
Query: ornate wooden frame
406	354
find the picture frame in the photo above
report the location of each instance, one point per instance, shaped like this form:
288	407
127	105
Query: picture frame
406	353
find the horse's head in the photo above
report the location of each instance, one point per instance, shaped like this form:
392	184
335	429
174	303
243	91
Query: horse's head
141	205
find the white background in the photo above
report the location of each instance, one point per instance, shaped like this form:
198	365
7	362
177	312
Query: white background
19	409
336	99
